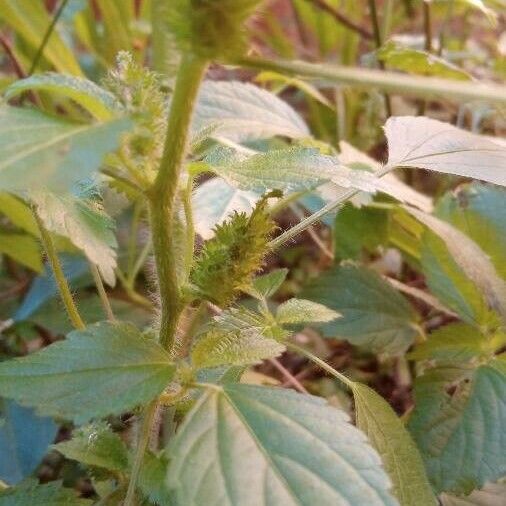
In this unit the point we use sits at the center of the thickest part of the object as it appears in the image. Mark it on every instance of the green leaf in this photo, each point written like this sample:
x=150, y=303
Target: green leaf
x=424, y=143
x=470, y=258
x=85, y=223
x=18, y=213
x=272, y=447
x=239, y=347
x=43, y=151
x=51, y=494
x=108, y=368
x=479, y=211
x=98, y=102
x=263, y=287
x=152, y=478
x=30, y=21
x=24, y=440
x=295, y=311
x=393, y=442
x=458, y=424
x=96, y=445
x=492, y=494
x=454, y=343
x=373, y=314
x=242, y=111
x=23, y=249
x=415, y=61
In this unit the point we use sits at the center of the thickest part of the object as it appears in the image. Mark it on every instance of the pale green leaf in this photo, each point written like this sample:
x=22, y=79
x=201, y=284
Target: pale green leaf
x=295, y=311
x=250, y=445
x=243, y=111
x=23, y=249
x=98, y=102
x=85, y=223
x=108, y=368
x=39, y=151
x=373, y=314
x=424, y=143
x=240, y=347
x=24, y=440
x=96, y=445
x=416, y=61
x=492, y=494
x=393, y=442
x=51, y=494
x=266, y=285
x=18, y=213
x=458, y=424
x=152, y=479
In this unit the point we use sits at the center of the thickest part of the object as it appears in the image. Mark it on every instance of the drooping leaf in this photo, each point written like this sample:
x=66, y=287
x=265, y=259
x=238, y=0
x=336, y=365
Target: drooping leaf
x=242, y=111
x=96, y=445
x=85, y=223
x=272, y=447
x=295, y=311
x=39, y=151
x=373, y=314
x=98, y=102
x=50, y=494
x=479, y=211
x=492, y=494
x=24, y=440
x=240, y=347
x=458, y=424
x=108, y=368
x=425, y=143
x=23, y=249
x=393, y=442
x=416, y=61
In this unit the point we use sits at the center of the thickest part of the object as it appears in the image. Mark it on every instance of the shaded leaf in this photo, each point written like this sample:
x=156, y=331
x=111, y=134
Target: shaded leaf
x=51, y=494
x=108, y=368
x=265, y=446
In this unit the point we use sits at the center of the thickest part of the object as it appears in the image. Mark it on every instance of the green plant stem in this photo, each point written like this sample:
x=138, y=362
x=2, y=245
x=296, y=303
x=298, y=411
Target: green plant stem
x=318, y=361
x=134, y=296
x=59, y=276
x=391, y=82
x=47, y=36
x=97, y=278
x=142, y=444
x=162, y=195
x=387, y=19
x=190, y=226
x=141, y=260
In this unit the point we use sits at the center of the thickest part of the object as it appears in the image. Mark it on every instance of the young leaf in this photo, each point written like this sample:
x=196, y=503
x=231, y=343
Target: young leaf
x=51, y=494
x=240, y=347
x=98, y=102
x=272, y=447
x=295, y=311
x=43, y=151
x=96, y=445
x=242, y=111
x=85, y=223
x=263, y=287
x=24, y=440
x=424, y=143
x=108, y=368
x=458, y=424
x=392, y=441
x=373, y=314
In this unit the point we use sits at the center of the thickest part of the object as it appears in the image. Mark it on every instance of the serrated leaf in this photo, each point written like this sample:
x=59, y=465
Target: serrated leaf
x=85, y=223
x=108, y=368
x=243, y=112
x=425, y=143
x=393, y=442
x=214, y=201
x=261, y=446
x=416, y=61
x=243, y=347
x=99, y=102
x=51, y=494
x=479, y=211
x=96, y=445
x=295, y=311
x=373, y=314
x=454, y=343
x=23, y=249
x=39, y=151
x=470, y=258
x=266, y=285
x=24, y=440
x=492, y=494
x=461, y=434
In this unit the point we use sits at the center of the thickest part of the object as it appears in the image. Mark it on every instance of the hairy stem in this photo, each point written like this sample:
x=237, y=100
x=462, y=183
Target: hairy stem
x=97, y=278
x=61, y=282
x=162, y=195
